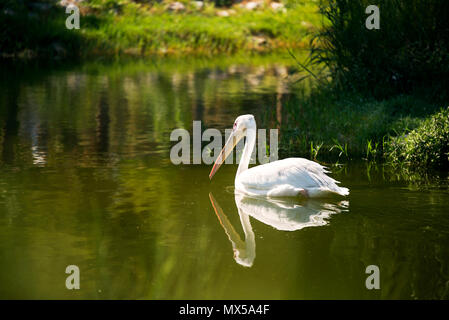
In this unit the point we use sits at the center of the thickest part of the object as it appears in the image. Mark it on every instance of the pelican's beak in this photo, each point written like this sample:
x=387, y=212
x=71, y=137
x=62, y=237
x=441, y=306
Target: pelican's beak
x=227, y=149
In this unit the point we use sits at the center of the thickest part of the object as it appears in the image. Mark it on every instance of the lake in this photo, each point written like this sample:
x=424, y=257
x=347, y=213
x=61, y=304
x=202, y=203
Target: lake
x=86, y=180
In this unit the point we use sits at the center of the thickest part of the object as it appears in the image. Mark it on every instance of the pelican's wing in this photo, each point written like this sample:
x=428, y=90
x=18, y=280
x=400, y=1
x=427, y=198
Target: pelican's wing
x=285, y=177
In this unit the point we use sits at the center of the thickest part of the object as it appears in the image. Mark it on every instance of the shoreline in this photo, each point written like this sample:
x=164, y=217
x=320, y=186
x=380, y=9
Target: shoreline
x=141, y=30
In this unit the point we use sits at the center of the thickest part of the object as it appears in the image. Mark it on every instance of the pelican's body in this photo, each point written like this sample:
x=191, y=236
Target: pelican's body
x=288, y=178
x=283, y=178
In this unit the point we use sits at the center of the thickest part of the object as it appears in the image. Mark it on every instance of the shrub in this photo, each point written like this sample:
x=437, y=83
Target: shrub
x=427, y=145
x=407, y=52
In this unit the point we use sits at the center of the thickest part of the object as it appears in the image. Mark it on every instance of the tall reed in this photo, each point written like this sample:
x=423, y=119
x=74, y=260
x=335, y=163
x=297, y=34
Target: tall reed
x=409, y=51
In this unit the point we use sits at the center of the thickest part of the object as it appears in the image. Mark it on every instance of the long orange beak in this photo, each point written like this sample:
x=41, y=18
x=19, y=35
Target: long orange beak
x=224, y=153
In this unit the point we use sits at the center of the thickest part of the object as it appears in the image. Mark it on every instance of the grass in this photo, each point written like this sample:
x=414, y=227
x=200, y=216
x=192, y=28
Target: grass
x=407, y=53
x=119, y=27
x=427, y=145
x=330, y=126
x=146, y=30
x=375, y=97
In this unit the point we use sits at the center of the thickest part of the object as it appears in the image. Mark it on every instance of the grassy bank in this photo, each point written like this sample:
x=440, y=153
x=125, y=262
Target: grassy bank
x=407, y=53
x=378, y=97
x=426, y=146
x=117, y=27
x=333, y=126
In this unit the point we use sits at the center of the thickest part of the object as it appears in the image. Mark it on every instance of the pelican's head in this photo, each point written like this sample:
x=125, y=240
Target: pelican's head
x=241, y=125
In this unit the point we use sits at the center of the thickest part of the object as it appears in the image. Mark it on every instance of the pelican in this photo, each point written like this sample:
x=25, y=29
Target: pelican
x=289, y=177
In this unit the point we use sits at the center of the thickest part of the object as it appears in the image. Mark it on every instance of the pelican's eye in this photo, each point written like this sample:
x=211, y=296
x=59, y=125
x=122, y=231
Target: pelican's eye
x=235, y=125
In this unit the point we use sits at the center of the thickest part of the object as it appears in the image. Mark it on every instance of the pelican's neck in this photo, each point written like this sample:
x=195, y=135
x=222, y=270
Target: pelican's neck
x=247, y=150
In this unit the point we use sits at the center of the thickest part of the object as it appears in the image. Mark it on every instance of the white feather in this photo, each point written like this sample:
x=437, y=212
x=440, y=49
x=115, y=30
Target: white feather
x=288, y=178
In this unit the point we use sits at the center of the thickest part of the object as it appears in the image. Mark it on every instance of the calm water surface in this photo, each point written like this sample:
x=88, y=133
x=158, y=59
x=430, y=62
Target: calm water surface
x=86, y=180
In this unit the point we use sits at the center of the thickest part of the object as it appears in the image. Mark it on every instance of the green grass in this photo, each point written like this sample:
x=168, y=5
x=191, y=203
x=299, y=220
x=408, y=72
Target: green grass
x=427, y=145
x=327, y=126
x=124, y=27
x=143, y=29
x=374, y=98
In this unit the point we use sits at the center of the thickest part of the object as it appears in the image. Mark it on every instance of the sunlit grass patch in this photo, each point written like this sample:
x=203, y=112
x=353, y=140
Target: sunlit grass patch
x=427, y=145
x=148, y=29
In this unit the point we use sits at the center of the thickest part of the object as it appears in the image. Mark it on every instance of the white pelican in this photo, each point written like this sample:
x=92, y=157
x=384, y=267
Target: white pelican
x=283, y=178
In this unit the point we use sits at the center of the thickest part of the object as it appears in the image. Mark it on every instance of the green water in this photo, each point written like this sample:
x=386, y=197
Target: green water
x=86, y=180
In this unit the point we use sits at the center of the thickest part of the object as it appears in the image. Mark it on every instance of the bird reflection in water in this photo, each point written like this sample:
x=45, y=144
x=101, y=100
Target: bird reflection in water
x=282, y=215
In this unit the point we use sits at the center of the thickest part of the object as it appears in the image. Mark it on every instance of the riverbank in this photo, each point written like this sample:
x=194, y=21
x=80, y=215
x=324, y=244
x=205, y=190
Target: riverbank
x=124, y=27
x=337, y=127
x=380, y=92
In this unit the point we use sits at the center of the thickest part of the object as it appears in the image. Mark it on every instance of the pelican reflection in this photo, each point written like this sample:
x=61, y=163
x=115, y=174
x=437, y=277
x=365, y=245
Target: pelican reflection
x=280, y=214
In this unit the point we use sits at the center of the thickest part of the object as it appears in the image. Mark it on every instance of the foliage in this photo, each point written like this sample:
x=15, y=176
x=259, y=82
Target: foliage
x=32, y=28
x=383, y=83
x=116, y=27
x=409, y=51
x=153, y=29
x=427, y=145
x=346, y=125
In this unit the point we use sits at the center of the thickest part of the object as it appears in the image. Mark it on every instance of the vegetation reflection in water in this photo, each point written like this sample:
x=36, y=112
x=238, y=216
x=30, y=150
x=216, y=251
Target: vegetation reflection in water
x=85, y=179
